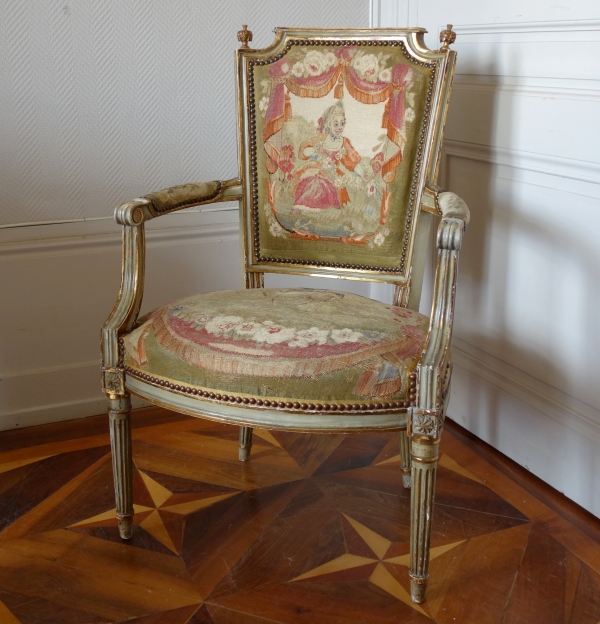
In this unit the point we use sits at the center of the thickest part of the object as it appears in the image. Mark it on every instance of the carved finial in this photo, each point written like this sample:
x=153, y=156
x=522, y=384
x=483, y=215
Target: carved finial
x=447, y=37
x=244, y=36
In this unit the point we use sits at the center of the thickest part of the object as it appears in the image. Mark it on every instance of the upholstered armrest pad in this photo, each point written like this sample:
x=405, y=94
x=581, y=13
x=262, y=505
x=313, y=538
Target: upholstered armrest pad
x=177, y=197
x=453, y=207
x=174, y=198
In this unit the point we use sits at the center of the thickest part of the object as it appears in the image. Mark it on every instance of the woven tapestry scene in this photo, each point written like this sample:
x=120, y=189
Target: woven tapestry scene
x=338, y=128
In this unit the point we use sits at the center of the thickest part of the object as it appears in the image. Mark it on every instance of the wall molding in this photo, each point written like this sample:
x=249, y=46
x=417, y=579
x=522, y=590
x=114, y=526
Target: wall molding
x=389, y=13
x=58, y=412
x=96, y=243
x=47, y=393
x=549, y=400
x=581, y=170
x=526, y=27
x=550, y=88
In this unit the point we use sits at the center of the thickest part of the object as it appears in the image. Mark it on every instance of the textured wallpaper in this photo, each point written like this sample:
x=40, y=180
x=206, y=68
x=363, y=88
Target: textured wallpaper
x=104, y=100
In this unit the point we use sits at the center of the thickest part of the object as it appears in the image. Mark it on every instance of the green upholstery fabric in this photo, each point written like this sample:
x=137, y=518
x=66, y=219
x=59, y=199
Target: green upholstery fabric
x=298, y=345
x=336, y=135
x=176, y=197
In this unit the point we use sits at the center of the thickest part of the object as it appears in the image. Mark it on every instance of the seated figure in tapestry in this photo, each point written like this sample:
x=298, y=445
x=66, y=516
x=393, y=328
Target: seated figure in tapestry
x=321, y=183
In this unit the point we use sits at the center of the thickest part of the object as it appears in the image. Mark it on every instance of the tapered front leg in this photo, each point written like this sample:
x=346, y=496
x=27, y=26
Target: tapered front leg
x=119, y=410
x=245, y=443
x=424, y=468
x=405, y=458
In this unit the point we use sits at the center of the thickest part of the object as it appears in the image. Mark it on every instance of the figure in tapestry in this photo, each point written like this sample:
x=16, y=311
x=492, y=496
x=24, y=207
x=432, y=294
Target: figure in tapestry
x=320, y=184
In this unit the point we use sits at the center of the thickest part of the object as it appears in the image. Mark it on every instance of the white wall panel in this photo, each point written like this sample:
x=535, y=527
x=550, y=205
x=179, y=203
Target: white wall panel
x=58, y=292
x=523, y=148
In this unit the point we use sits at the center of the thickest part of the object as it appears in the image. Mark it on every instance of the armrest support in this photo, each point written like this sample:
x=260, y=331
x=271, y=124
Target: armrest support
x=434, y=367
x=132, y=216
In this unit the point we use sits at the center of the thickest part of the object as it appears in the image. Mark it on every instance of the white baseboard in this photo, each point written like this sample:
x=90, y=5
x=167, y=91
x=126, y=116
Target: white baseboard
x=53, y=394
x=69, y=410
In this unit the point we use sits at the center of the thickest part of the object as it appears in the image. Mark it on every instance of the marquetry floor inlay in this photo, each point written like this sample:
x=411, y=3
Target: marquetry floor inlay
x=312, y=529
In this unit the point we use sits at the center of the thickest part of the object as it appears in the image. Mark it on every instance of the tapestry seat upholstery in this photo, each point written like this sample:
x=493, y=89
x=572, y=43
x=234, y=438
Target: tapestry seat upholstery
x=290, y=348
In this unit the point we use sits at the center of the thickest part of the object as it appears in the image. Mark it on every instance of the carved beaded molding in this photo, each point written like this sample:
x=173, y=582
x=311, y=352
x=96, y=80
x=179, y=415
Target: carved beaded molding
x=285, y=405
x=254, y=167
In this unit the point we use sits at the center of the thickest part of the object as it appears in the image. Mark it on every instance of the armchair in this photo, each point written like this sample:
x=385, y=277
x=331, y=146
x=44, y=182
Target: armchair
x=340, y=134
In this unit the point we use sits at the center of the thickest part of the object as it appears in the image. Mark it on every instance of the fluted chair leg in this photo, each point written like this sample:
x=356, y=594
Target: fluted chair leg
x=119, y=410
x=424, y=468
x=405, y=458
x=245, y=443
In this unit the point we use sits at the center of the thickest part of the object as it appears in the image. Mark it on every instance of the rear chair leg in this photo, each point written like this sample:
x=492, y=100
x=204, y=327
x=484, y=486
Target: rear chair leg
x=424, y=468
x=245, y=443
x=119, y=410
x=405, y=458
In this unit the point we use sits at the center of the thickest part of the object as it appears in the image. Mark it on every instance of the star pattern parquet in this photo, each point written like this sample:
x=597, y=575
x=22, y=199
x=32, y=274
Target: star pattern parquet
x=312, y=529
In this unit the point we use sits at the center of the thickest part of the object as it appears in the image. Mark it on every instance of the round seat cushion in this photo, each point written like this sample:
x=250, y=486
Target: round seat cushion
x=282, y=345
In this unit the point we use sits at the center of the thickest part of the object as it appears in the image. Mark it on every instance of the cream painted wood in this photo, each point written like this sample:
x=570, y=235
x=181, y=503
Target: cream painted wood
x=405, y=461
x=424, y=466
x=245, y=443
x=265, y=418
x=119, y=415
x=522, y=146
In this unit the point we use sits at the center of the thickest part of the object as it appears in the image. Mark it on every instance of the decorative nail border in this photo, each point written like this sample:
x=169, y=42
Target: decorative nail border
x=287, y=405
x=254, y=166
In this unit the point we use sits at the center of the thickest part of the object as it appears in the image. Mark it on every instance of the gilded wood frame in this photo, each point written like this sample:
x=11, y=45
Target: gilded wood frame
x=425, y=191
x=424, y=417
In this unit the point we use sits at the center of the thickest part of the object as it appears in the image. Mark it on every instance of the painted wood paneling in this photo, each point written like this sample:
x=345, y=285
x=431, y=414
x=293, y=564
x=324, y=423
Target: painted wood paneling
x=523, y=149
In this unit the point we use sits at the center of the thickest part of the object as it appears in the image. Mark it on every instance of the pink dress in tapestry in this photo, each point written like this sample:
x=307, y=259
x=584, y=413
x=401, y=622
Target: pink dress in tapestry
x=316, y=188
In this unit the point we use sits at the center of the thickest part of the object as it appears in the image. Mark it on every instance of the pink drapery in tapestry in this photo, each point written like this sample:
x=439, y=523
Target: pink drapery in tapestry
x=316, y=86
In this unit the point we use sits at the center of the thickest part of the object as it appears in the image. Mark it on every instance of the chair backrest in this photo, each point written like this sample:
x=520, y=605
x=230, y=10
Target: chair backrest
x=340, y=134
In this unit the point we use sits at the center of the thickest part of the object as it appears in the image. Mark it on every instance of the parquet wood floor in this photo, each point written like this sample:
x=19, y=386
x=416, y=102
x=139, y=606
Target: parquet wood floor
x=312, y=529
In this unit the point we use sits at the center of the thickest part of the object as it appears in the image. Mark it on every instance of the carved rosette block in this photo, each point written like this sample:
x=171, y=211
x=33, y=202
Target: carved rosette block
x=119, y=411
x=244, y=36
x=447, y=37
x=245, y=443
x=405, y=461
x=113, y=381
x=424, y=423
x=424, y=468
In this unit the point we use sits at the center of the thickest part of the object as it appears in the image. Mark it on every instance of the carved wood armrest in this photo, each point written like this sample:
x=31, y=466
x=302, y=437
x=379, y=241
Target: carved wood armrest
x=433, y=368
x=132, y=216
